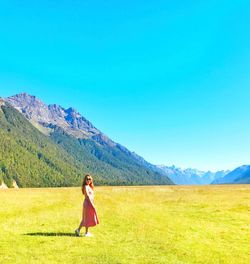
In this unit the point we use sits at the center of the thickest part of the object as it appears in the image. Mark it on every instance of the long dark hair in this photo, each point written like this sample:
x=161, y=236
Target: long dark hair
x=84, y=182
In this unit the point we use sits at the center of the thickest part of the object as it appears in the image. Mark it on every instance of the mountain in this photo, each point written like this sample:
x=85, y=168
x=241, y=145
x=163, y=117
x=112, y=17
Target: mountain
x=191, y=176
x=31, y=158
x=70, y=139
x=208, y=177
x=239, y=175
x=46, y=117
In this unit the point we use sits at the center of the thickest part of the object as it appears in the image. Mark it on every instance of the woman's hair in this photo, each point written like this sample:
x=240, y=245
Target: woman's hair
x=85, y=181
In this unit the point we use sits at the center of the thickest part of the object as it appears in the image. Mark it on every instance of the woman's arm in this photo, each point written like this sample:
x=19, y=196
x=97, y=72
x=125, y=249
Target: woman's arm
x=84, y=191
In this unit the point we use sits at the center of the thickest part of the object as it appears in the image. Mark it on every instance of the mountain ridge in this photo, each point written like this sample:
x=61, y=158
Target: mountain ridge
x=48, y=115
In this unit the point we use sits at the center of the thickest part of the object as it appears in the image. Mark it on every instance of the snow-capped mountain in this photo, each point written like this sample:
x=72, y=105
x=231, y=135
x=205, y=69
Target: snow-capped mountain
x=191, y=176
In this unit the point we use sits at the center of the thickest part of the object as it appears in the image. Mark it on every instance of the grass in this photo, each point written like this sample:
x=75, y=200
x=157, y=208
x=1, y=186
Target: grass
x=163, y=224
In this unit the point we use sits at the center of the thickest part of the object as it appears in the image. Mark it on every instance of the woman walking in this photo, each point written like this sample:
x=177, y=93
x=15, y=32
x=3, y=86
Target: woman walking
x=89, y=214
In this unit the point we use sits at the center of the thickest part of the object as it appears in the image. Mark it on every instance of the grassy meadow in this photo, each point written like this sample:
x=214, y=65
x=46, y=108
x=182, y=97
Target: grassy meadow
x=159, y=224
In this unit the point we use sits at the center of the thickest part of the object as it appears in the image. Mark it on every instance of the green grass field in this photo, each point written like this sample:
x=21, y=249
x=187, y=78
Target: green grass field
x=163, y=224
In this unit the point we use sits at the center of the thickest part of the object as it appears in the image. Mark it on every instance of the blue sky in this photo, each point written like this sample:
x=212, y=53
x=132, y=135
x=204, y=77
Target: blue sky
x=169, y=80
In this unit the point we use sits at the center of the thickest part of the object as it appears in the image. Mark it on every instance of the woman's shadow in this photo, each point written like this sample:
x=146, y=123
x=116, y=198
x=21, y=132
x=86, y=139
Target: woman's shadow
x=48, y=234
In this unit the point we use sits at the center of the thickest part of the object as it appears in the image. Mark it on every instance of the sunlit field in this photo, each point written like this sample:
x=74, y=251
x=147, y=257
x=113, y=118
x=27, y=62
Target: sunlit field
x=161, y=224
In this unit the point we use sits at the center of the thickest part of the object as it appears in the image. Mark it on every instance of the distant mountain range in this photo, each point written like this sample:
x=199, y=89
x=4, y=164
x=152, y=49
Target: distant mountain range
x=191, y=176
x=240, y=175
x=47, y=145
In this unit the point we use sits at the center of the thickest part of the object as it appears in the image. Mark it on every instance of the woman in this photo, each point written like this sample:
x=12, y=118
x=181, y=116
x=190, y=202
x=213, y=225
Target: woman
x=89, y=215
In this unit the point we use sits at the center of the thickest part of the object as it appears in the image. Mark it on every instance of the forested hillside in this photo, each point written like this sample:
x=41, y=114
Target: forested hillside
x=110, y=163
x=33, y=159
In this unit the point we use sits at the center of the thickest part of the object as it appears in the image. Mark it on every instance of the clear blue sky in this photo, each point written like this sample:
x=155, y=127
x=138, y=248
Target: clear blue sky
x=168, y=79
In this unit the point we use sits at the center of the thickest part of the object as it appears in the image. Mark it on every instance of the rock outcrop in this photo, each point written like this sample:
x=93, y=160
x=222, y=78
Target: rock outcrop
x=14, y=185
x=3, y=186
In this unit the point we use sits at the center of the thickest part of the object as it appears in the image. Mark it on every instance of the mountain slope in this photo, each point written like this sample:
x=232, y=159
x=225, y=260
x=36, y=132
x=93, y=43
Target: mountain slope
x=110, y=163
x=243, y=179
x=239, y=175
x=84, y=145
x=234, y=175
x=31, y=158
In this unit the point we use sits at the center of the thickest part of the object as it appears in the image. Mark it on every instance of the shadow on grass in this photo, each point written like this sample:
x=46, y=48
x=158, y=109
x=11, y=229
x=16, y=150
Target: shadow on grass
x=53, y=234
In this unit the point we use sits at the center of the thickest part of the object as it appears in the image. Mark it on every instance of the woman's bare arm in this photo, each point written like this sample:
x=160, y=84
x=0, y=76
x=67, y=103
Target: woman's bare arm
x=84, y=191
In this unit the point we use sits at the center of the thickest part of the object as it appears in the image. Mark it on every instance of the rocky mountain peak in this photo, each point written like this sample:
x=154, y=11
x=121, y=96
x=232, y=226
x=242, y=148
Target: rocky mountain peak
x=48, y=117
x=25, y=99
x=72, y=112
x=32, y=108
x=56, y=111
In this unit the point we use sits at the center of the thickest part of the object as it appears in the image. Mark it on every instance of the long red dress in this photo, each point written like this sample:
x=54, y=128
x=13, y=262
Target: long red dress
x=89, y=214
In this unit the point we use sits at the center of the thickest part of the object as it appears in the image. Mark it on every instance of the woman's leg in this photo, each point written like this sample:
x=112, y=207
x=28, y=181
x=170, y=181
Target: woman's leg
x=83, y=218
x=86, y=230
x=80, y=226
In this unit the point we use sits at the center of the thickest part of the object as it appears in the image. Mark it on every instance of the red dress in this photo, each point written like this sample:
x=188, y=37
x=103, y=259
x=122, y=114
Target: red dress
x=89, y=214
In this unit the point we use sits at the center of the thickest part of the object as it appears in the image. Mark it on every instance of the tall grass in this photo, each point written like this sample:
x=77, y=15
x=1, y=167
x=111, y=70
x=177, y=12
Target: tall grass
x=162, y=224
